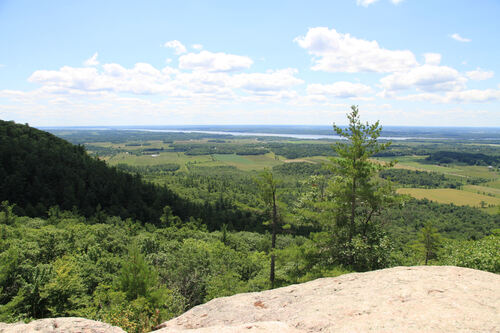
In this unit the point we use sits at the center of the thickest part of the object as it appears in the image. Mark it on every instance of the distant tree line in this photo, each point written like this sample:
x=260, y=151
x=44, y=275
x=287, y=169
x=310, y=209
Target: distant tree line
x=415, y=178
x=219, y=148
x=449, y=157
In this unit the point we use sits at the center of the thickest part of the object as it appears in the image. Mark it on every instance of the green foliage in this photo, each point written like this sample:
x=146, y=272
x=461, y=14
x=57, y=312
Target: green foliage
x=298, y=150
x=159, y=169
x=219, y=148
x=7, y=215
x=137, y=278
x=204, y=238
x=64, y=293
x=39, y=171
x=429, y=240
x=480, y=254
x=447, y=157
x=269, y=186
x=420, y=178
x=347, y=204
x=300, y=169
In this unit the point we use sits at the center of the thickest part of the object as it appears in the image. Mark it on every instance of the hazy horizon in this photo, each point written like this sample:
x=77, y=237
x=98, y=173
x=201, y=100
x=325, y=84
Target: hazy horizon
x=122, y=63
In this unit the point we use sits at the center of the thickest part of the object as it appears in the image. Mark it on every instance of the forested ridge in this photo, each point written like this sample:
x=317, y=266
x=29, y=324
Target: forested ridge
x=136, y=245
x=39, y=171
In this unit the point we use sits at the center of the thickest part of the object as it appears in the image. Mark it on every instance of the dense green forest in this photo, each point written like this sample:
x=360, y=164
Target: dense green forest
x=138, y=243
x=415, y=178
x=464, y=157
x=40, y=170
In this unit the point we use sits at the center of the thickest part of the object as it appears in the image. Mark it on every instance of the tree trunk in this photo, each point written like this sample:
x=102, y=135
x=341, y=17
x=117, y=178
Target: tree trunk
x=273, y=240
x=352, y=225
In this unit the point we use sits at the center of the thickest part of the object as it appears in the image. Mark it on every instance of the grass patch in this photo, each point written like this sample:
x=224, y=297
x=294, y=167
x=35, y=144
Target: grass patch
x=446, y=195
x=485, y=190
x=248, y=162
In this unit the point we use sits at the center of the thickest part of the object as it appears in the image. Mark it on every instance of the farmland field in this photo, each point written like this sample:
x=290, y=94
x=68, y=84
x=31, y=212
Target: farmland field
x=481, y=186
x=446, y=195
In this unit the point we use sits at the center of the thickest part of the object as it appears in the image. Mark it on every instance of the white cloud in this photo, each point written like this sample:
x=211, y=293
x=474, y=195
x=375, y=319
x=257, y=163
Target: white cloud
x=432, y=58
x=365, y=3
x=462, y=96
x=426, y=77
x=479, y=74
x=92, y=61
x=176, y=45
x=396, y=2
x=337, y=52
x=214, y=62
x=265, y=82
x=473, y=96
x=459, y=38
x=182, y=86
x=141, y=79
x=197, y=46
x=341, y=89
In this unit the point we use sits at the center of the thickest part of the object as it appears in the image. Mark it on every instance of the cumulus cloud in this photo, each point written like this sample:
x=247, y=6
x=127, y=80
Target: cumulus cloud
x=479, y=74
x=341, y=89
x=214, y=62
x=141, y=79
x=92, y=61
x=432, y=58
x=426, y=77
x=337, y=52
x=197, y=46
x=473, y=96
x=462, y=96
x=459, y=38
x=144, y=79
x=176, y=46
x=267, y=82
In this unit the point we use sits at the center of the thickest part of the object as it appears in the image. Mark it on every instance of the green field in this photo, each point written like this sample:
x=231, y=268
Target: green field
x=243, y=162
x=248, y=162
x=471, y=195
x=485, y=190
x=448, y=195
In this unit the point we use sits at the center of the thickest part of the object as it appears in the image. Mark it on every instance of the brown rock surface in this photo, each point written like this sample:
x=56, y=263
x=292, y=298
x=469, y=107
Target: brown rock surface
x=401, y=299
x=60, y=325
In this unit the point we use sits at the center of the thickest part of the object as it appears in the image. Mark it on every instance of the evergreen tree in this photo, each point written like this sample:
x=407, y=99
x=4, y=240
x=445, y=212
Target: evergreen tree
x=268, y=186
x=429, y=239
x=354, y=196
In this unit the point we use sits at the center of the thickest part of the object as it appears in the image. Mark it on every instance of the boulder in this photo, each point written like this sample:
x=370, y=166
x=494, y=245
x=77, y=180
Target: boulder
x=400, y=299
x=60, y=325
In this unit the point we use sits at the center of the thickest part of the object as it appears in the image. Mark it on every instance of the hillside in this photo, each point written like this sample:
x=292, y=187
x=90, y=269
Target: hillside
x=40, y=170
x=401, y=299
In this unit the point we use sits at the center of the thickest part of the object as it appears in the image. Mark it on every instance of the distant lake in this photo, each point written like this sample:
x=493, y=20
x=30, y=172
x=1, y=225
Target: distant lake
x=283, y=135
x=318, y=132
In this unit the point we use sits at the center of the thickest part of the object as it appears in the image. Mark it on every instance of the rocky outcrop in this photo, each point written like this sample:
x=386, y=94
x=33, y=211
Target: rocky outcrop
x=401, y=299
x=60, y=325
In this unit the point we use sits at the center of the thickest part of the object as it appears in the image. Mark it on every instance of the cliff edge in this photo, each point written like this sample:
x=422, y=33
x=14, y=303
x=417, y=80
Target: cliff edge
x=400, y=299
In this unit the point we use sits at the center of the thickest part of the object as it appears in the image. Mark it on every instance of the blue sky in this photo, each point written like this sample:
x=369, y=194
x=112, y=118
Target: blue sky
x=409, y=62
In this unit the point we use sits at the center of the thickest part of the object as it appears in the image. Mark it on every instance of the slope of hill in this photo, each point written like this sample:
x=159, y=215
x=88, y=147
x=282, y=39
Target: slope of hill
x=39, y=170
